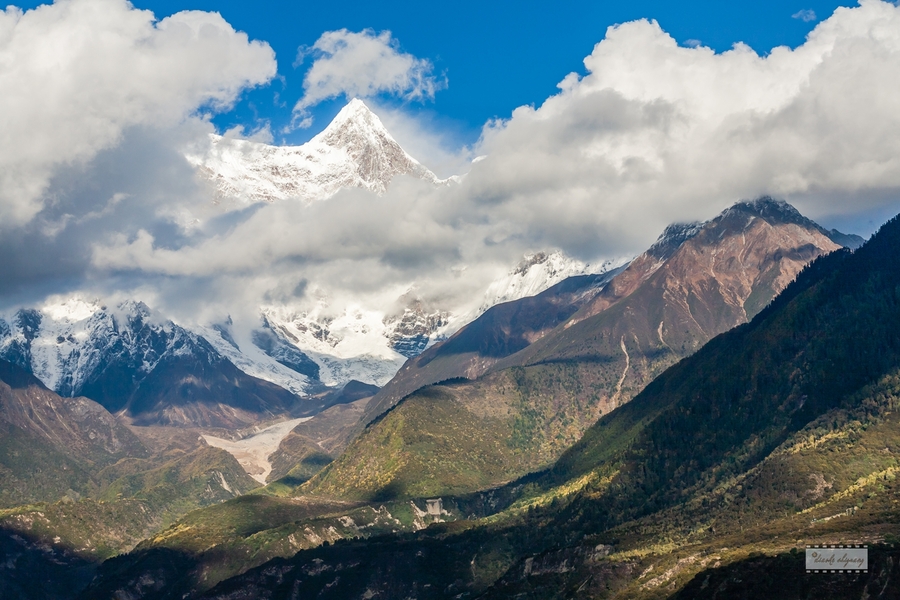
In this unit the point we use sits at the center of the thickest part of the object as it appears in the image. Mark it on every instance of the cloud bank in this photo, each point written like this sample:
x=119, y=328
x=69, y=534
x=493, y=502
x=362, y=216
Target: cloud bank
x=652, y=133
x=361, y=65
x=656, y=133
x=77, y=73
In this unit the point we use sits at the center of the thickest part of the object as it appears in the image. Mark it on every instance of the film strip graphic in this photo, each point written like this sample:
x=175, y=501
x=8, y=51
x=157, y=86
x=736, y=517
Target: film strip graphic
x=837, y=558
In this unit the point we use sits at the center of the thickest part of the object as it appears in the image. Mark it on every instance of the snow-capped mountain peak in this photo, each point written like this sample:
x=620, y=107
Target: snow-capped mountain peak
x=354, y=151
x=354, y=122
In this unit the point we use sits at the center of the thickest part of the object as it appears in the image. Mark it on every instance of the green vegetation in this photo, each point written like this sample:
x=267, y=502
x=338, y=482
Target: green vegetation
x=218, y=542
x=32, y=470
x=91, y=529
x=462, y=437
x=134, y=505
x=780, y=433
x=429, y=445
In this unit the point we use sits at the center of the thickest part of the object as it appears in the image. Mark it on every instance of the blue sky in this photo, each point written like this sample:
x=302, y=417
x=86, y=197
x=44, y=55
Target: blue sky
x=495, y=55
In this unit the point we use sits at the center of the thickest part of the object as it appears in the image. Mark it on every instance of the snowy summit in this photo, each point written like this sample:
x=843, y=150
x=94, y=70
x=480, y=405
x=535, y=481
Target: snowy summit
x=354, y=151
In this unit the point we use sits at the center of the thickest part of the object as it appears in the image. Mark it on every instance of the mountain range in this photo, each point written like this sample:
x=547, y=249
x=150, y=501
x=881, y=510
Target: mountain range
x=131, y=361
x=675, y=425
x=696, y=280
x=521, y=383
x=776, y=435
x=130, y=357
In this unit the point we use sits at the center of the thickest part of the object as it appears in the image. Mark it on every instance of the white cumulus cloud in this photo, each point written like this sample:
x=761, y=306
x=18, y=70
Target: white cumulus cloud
x=362, y=64
x=655, y=132
x=651, y=133
x=77, y=73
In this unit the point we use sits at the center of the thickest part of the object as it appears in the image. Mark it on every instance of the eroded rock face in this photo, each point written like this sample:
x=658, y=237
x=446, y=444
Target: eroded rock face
x=411, y=332
x=719, y=274
x=676, y=296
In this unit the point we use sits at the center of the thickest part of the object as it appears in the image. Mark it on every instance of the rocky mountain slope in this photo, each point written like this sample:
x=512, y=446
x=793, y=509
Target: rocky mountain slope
x=78, y=486
x=502, y=330
x=698, y=279
x=52, y=446
x=528, y=405
x=778, y=434
x=692, y=284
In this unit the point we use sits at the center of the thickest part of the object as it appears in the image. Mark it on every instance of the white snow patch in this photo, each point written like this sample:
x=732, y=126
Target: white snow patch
x=353, y=345
x=256, y=363
x=224, y=483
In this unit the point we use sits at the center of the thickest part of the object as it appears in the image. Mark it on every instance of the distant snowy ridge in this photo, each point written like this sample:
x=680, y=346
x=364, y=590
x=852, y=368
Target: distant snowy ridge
x=299, y=348
x=370, y=344
x=536, y=273
x=67, y=341
x=354, y=151
x=254, y=361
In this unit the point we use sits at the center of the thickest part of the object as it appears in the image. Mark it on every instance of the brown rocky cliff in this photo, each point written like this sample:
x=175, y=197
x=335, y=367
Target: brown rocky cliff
x=696, y=281
x=715, y=280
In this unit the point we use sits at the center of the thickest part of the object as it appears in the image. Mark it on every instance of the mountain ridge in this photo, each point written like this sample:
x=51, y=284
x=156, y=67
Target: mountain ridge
x=522, y=408
x=626, y=281
x=130, y=359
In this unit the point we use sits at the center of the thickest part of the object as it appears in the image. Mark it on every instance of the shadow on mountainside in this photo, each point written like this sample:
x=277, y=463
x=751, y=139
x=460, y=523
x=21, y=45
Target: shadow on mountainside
x=37, y=569
x=783, y=576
